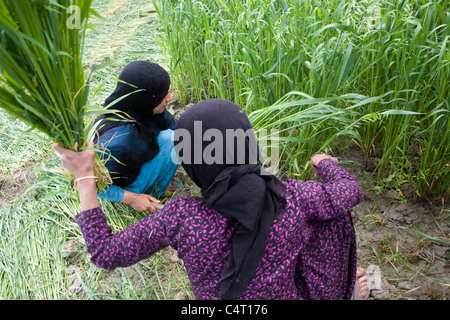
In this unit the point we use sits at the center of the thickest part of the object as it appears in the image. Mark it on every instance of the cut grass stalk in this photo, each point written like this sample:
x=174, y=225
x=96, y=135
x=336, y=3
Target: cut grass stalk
x=42, y=79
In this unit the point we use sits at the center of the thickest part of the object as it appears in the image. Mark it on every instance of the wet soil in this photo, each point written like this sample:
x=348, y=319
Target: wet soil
x=402, y=241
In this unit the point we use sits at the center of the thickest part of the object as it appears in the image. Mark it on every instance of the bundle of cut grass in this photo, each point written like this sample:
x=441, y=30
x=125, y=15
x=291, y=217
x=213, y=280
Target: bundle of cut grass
x=42, y=80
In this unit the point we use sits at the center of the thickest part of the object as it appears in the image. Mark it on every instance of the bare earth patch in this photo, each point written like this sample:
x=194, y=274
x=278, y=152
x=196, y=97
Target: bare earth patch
x=403, y=243
x=14, y=185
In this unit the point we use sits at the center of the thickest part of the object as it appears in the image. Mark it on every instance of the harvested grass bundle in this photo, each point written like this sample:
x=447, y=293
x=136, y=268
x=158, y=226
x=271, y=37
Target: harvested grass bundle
x=42, y=80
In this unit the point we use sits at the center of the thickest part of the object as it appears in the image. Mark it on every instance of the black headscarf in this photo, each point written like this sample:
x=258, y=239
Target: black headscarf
x=235, y=187
x=141, y=87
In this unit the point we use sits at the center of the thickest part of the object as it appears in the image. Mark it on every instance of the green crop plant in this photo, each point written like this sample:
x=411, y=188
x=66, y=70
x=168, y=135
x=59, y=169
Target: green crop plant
x=394, y=53
x=42, y=79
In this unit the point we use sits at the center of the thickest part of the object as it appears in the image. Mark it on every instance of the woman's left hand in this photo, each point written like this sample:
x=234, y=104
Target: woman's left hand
x=140, y=201
x=80, y=164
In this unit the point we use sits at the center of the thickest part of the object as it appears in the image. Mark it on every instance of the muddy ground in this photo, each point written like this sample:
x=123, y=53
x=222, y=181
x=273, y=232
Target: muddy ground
x=402, y=241
x=14, y=185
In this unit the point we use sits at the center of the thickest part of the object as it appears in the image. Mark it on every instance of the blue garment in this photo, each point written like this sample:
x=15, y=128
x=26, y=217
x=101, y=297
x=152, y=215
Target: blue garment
x=154, y=176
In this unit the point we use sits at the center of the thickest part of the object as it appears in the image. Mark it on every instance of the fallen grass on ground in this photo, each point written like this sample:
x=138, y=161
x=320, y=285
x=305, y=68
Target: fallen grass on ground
x=20, y=147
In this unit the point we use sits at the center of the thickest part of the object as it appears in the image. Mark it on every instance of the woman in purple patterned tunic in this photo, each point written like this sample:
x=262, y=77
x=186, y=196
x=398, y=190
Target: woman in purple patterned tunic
x=250, y=236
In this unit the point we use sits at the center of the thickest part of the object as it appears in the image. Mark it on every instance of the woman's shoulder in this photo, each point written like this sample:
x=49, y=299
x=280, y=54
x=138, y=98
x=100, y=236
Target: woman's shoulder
x=183, y=213
x=293, y=185
x=119, y=130
x=118, y=136
x=298, y=189
x=184, y=201
x=190, y=207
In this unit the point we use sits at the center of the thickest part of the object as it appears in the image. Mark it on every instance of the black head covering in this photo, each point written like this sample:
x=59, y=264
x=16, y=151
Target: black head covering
x=141, y=87
x=234, y=185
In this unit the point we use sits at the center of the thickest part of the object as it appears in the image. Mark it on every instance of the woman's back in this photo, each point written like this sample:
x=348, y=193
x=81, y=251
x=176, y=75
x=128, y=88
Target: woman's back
x=310, y=253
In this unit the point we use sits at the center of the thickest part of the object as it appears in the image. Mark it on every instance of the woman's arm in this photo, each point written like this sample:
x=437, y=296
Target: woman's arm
x=81, y=165
x=109, y=251
x=335, y=196
x=139, y=201
x=125, y=248
x=342, y=188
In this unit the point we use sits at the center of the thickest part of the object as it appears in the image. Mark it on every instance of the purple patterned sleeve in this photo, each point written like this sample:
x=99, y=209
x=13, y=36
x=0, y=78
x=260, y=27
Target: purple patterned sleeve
x=342, y=187
x=336, y=195
x=125, y=248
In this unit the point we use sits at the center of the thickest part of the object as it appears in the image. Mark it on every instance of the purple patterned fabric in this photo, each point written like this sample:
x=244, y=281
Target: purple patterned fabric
x=311, y=252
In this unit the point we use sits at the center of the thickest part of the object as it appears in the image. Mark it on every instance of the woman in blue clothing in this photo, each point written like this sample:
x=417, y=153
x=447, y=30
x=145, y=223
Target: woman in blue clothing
x=137, y=141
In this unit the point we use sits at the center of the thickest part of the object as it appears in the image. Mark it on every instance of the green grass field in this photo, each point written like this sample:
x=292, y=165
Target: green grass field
x=324, y=72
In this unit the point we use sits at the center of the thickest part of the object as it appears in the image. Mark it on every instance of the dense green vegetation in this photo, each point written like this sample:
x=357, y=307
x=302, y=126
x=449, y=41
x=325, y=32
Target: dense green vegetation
x=43, y=81
x=325, y=72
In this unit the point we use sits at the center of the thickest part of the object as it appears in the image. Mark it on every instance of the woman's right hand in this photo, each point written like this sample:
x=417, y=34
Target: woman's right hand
x=82, y=166
x=140, y=201
x=316, y=158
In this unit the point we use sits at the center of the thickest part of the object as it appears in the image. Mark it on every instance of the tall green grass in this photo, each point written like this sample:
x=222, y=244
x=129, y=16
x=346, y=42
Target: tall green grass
x=42, y=76
x=392, y=55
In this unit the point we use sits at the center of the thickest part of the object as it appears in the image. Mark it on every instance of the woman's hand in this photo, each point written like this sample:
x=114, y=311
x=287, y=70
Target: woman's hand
x=80, y=164
x=140, y=201
x=316, y=158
